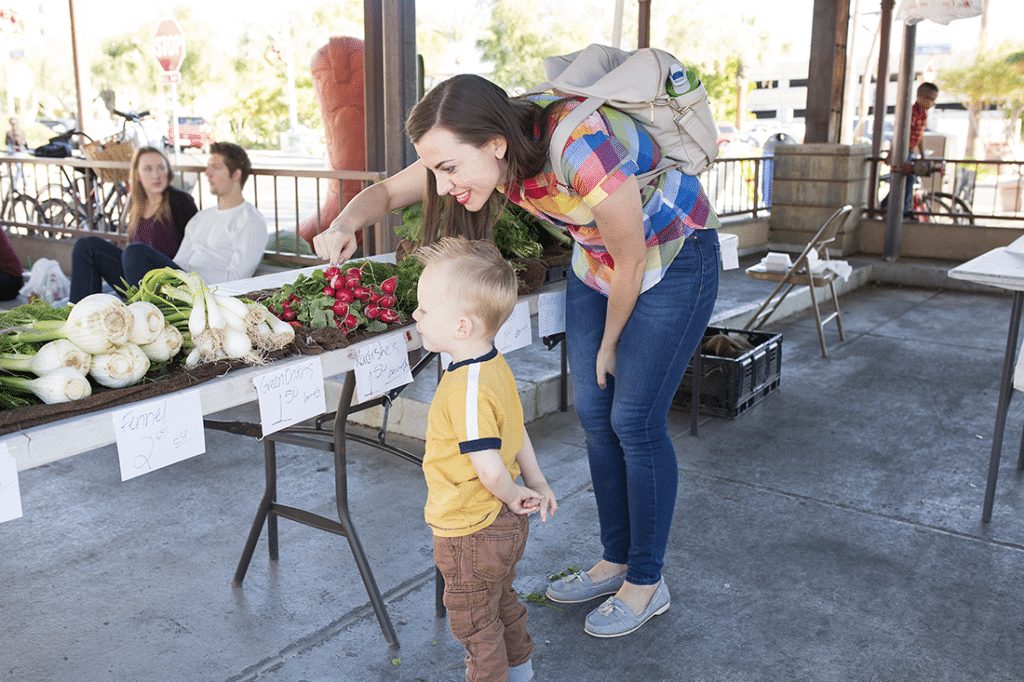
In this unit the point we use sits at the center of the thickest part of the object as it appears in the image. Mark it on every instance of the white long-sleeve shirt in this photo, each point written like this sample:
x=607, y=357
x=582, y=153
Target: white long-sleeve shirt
x=223, y=245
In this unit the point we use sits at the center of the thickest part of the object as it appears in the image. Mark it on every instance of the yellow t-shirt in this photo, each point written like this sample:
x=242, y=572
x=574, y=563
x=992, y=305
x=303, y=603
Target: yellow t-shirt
x=476, y=407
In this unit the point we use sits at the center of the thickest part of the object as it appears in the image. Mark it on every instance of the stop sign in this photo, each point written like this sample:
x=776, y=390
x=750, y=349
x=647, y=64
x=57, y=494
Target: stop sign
x=169, y=45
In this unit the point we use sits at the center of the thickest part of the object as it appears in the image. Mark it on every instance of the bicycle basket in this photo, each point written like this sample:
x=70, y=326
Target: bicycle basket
x=110, y=149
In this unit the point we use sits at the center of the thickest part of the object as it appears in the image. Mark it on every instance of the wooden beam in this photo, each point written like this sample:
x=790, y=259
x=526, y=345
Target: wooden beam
x=826, y=70
x=644, y=22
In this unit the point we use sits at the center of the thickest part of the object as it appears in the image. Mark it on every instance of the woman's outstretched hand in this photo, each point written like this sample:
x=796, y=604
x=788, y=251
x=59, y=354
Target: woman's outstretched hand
x=335, y=245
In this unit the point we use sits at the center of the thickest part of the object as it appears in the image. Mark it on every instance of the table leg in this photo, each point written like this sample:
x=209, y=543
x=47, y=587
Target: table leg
x=1005, y=393
x=695, y=391
x=341, y=492
x=262, y=512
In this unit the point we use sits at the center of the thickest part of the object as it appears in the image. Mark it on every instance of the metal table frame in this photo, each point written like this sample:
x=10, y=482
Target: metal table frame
x=999, y=268
x=329, y=440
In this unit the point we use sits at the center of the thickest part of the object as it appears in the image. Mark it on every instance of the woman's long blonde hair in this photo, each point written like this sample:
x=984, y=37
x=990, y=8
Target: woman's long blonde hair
x=137, y=200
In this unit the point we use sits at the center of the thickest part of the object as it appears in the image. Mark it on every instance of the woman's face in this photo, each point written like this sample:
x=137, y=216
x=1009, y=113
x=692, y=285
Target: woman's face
x=152, y=174
x=468, y=173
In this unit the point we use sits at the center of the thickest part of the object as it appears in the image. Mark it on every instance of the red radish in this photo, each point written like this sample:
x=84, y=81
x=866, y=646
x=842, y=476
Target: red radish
x=351, y=321
x=294, y=323
x=388, y=315
x=371, y=311
x=387, y=301
x=352, y=282
x=389, y=285
x=332, y=272
x=361, y=293
x=288, y=315
x=329, y=291
x=345, y=295
x=354, y=272
x=374, y=297
x=340, y=309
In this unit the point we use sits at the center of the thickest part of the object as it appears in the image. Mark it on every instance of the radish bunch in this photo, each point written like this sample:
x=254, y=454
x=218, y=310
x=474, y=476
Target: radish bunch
x=343, y=298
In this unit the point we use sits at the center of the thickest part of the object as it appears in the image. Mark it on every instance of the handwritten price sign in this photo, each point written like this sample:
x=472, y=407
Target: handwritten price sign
x=10, y=493
x=516, y=332
x=551, y=313
x=157, y=433
x=290, y=394
x=382, y=366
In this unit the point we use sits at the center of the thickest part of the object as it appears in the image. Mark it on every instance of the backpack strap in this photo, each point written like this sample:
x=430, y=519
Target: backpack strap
x=560, y=135
x=686, y=118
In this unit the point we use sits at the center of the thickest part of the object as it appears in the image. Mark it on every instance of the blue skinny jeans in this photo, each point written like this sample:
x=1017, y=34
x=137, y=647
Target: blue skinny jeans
x=632, y=462
x=95, y=260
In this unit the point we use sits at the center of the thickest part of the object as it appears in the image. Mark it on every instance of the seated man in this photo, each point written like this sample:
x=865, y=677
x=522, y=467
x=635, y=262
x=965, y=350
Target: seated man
x=220, y=244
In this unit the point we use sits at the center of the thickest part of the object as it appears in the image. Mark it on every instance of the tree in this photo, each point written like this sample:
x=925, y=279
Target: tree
x=516, y=50
x=988, y=79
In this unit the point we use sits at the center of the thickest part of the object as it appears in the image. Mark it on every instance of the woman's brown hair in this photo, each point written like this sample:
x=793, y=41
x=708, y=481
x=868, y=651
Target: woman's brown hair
x=137, y=200
x=476, y=111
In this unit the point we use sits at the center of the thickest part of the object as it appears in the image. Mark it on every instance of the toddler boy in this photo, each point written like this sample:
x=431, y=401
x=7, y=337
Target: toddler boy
x=476, y=447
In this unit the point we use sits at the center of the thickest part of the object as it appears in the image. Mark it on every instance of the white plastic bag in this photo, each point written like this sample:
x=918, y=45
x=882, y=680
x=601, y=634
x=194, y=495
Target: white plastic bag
x=47, y=281
x=939, y=11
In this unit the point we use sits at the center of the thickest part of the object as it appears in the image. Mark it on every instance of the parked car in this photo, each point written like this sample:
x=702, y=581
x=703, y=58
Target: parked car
x=193, y=131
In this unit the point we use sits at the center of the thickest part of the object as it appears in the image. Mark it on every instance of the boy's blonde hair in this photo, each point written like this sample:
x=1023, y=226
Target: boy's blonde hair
x=478, y=277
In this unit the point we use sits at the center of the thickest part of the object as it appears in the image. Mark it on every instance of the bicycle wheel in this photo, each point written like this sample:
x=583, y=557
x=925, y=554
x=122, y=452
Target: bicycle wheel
x=22, y=210
x=948, y=209
x=115, y=209
x=58, y=213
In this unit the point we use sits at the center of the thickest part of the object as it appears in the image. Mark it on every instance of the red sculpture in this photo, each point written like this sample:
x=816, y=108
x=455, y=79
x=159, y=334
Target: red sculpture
x=337, y=70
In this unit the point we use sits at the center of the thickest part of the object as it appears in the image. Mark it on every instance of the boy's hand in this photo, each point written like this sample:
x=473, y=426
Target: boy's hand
x=539, y=498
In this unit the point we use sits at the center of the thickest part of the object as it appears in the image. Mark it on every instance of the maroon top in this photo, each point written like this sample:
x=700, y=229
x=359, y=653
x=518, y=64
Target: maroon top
x=162, y=235
x=9, y=263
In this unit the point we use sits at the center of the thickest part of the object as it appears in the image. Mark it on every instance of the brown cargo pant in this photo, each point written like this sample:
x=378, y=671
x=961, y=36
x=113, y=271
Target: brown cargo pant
x=484, y=612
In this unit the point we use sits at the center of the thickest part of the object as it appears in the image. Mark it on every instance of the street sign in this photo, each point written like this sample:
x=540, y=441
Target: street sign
x=169, y=45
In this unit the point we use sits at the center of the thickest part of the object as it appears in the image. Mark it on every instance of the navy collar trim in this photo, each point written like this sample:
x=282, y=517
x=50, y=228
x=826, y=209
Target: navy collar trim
x=492, y=353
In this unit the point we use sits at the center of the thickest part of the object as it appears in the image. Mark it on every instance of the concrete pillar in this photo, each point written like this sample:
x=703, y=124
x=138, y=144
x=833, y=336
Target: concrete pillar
x=810, y=181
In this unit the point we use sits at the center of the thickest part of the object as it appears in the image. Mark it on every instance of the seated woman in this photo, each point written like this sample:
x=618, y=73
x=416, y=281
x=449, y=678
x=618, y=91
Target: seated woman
x=11, y=273
x=157, y=215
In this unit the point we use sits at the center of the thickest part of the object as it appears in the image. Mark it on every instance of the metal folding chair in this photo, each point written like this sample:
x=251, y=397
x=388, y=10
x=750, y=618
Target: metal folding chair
x=798, y=274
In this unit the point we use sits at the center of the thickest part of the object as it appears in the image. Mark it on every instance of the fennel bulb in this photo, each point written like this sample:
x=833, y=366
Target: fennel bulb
x=62, y=385
x=56, y=353
x=123, y=366
x=147, y=323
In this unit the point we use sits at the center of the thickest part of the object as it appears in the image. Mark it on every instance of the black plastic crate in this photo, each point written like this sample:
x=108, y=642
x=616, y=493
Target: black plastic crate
x=731, y=386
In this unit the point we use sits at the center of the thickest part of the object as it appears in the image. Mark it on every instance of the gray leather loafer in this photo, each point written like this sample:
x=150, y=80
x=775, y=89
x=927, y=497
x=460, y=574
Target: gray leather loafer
x=578, y=587
x=614, y=619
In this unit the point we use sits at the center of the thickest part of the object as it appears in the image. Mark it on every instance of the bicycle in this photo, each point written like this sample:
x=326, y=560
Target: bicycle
x=81, y=202
x=17, y=208
x=934, y=207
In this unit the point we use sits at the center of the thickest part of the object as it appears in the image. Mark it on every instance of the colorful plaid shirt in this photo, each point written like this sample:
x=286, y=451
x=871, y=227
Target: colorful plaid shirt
x=600, y=155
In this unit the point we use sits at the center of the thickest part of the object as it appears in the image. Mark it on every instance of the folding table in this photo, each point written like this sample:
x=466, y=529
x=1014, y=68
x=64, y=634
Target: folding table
x=1004, y=269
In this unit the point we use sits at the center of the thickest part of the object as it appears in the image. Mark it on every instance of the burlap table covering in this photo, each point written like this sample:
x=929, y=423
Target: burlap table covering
x=307, y=342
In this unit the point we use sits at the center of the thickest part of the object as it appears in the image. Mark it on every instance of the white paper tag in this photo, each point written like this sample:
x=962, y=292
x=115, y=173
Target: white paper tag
x=382, y=366
x=10, y=493
x=551, y=313
x=157, y=433
x=290, y=394
x=516, y=332
x=729, y=244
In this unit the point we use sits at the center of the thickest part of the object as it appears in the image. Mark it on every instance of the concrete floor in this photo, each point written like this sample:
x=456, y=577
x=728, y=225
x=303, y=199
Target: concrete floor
x=833, y=532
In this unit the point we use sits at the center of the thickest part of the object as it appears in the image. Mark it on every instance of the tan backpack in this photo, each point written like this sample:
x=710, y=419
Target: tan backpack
x=635, y=83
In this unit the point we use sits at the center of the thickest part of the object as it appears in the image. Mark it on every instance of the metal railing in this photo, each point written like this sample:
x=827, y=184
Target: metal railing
x=963, y=192
x=739, y=186
x=989, y=193
x=41, y=190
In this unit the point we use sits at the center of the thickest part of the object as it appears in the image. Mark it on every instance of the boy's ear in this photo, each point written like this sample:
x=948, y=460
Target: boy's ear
x=464, y=328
